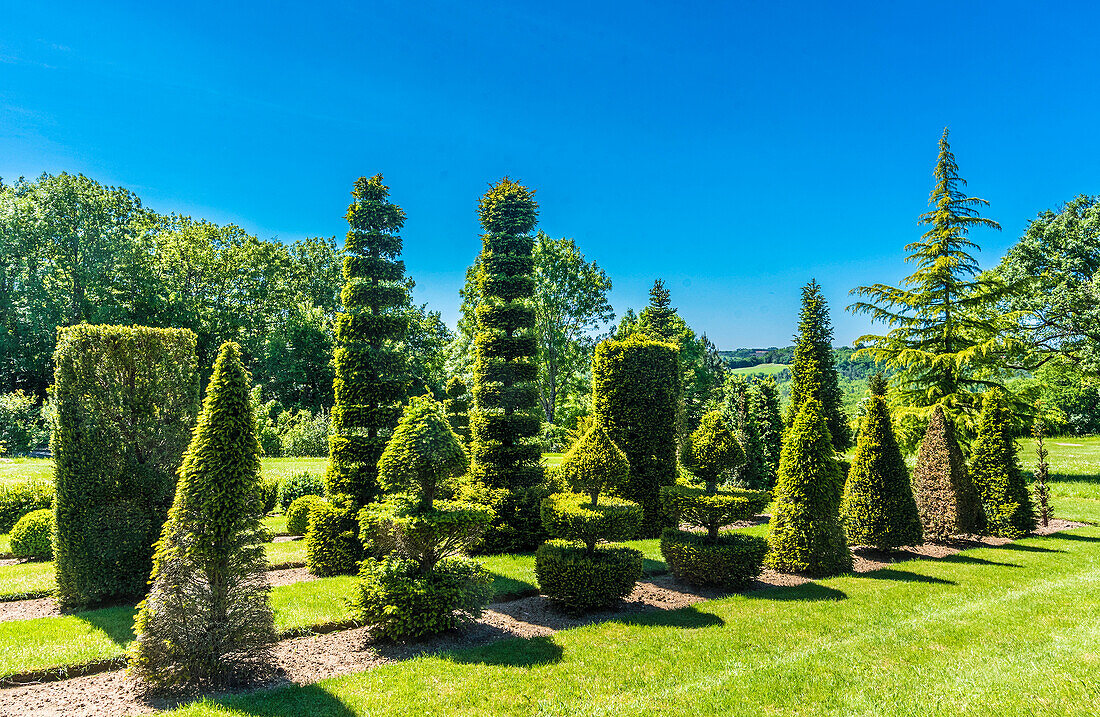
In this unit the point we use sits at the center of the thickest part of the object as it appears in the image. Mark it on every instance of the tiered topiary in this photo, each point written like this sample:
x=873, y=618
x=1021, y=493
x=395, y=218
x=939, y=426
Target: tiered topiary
x=805, y=534
x=573, y=570
x=32, y=536
x=371, y=373
x=457, y=405
x=1009, y=511
x=422, y=586
x=729, y=559
x=947, y=499
x=504, y=420
x=635, y=397
x=207, y=620
x=124, y=402
x=878, y=508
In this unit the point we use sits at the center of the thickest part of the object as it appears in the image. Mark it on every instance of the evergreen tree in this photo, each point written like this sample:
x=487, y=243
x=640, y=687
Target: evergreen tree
x=943, y=334
x=947, y=500
x=741, y=405
x=457, y=405
x=657, y=317
x=996, y=470
x=769, y=424
x=813, y=368
x=878, y=508
x=805, y=534
x=207, y=619
x=504, y=420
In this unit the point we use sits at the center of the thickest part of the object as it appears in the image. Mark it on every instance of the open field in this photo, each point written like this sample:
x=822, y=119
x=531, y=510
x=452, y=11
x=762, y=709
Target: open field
x=765, y=369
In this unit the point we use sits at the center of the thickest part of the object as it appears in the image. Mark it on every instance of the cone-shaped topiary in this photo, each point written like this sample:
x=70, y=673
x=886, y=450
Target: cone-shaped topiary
x=947, y=500
x=371, y=370
x=207, y=619
x=878, y=508
x=595, y=464
x=1007, y=502
x=805, y=534
x=457, y=404
x=423, y=452
x=741, y=404
x=504, y=421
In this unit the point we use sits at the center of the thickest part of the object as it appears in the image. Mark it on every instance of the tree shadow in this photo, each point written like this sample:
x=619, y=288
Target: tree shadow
x=1074, y=536
x=1025, y=548
x=115, y=622
x=685, y=617
x=968, y=560
x=903, y=576
x=280, y=701
x=809, y=592
x=515, y=652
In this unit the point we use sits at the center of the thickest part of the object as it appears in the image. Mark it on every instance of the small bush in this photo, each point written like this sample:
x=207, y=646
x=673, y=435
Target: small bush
x=32, y=536
x=269, y=494
x=296, y=485
x=20, y=499
x=732, y=560
x=686, y=504
x=572, y=516
x=297, y=515
x=580, y=580
x=332, y=543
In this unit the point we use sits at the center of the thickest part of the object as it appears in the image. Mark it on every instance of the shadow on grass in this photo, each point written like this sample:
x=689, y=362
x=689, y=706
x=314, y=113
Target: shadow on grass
x=516, y=652
x=1075, y=536
x=903, y=576
x=653, y=567
x=686, y=617
x=116, y=622
x=1027, y=548
x=809, y=592
x=969, y=560
x=311, y=700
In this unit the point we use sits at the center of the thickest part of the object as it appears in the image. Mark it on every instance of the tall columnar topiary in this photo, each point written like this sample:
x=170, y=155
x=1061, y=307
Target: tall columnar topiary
x=457, y=405
x=726, y=559
x=947, y=500
x=769, y=424
x=371, y=371
x=422, y=586
x=878, y=508
x=1007, y=502
x=207, y=619
x=805, y=534
x=573, y=570
x=813, y=368
x=125, y=399
x=504, y=420
x=635, y=397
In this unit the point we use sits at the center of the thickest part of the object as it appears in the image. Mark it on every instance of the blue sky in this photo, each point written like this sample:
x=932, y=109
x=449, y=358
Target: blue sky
x=734, y=149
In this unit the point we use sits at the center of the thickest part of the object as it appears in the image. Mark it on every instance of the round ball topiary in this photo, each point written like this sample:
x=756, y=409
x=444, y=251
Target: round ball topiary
x=573, y=517
x=32, y=536
x=730, y=561
x=581, y=580
x=297, y=515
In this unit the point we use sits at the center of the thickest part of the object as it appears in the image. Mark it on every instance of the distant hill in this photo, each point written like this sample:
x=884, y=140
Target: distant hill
x=773, y=360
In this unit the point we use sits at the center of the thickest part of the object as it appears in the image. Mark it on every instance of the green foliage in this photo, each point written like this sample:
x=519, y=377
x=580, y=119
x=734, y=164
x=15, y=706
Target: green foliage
x=269, y=494
x=742, y=401
x=457, y=405
x=635, y=397
x=422, y=452
x=298, y=484
x=32, y=536
x=425, y=536
x=297, y=514
x=332, y=539
x=207, y=619
x=729, y=560
x=945, y=334
x=711, y=510
x=572, y=516
x=1008, y=509
x=518, y=524
x=124, y=401
x=878, y=508
x=769, y=424
x=947, y=500
x=1042, y=469
x=305, y=435
x=22, y=426
x=805, y=534
x=813, y=367
x=714, y=450
x=594, y=464
x=21, y=498
x=401, y=602
x=581, y=580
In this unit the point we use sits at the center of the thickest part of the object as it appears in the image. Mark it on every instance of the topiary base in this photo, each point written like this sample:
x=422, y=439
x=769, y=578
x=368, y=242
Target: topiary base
x=732, y=562
x=581, y=581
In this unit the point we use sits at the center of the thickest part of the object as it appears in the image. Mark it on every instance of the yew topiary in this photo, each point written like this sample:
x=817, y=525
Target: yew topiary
x=297, y=515
x=206, y=620
x=878, y=508
x=457, y=404
x=1006, y=500
x=947, y=500
x=805, y=534
x=32, y=536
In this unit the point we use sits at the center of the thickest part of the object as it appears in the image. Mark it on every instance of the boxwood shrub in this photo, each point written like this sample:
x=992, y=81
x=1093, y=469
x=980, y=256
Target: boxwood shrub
x=22, y=498
x=580, y=580
x=332, y=541
x=297, y=515
x=732, y=560
x=32, y=536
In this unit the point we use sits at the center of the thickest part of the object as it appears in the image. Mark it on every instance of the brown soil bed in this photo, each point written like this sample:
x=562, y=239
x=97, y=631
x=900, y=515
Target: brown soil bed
x=304, y=660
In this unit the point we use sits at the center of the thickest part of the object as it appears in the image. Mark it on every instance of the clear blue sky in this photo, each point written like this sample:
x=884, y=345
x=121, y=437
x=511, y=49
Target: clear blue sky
x=736, y=150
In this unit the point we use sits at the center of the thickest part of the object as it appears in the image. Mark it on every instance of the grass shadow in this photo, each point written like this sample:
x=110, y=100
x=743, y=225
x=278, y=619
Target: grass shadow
x=650, y=566
x=515, y=652
x=313, y=700
x=115, y=622
x=1025, y=548
x=809, y=592
x=686, y=617
x=969, y=560
x=903, y=576
x=1064, y=535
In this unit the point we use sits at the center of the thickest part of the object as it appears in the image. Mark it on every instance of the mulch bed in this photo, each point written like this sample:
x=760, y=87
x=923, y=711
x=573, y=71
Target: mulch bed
x=304, y=660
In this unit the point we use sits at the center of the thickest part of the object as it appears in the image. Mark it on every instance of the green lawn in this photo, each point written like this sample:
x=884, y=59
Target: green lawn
x=766, y=369
x=22, y=470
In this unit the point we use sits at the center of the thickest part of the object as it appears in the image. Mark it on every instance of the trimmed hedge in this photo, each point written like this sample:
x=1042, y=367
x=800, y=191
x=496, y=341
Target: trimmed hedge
x=580, y=580
x=573, y=517
x=32, y=536
x=731, y=560
x=22, y=498
x=297, y=515
x=124, y=401
x=269, y=494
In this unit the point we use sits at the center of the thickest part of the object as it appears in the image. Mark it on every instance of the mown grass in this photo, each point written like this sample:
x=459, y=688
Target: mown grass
x=22, y=470
x=766, y=369
x=276, y=524
x=992, y=631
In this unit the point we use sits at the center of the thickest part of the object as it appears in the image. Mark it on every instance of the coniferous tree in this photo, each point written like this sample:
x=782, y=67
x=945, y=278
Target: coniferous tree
x=457, y=405
x=943, y=335
x=813, y=367
x=504, y=420
x=741, y=407
x=207, y=619
x=1008, y=509
x=1042, y=468
x=805, y=534
x=878, y=508
x=769, y=423
x=657, y=317
x=947, y=500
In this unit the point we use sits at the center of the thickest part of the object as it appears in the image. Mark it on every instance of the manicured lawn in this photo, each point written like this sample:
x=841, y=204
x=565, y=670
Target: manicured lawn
x=766, y=369
x=994, y=631
x=552, y=460
x=21, y=470
x=276, y=524
x=1075, y=475
x=283, y=467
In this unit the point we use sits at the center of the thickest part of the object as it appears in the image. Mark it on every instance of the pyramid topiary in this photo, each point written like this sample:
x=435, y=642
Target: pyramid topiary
x=207, y=619
x=1005, y=498
x=878, y=508
x=947, y=500
x=574, y=571
x=805, y=534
